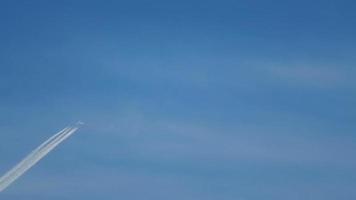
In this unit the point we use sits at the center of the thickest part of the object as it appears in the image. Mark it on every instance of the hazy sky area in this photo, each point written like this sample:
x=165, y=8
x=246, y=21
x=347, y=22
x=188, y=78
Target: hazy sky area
x=182, y=100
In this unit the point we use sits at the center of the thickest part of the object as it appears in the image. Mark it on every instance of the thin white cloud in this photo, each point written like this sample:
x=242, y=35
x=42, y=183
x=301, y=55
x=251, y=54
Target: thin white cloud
x=183, y=141
x=312, y=75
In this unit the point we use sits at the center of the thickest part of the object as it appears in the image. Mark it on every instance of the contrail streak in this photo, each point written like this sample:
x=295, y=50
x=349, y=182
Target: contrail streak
x=38, y=149
x=31, y=160
x=36, y=155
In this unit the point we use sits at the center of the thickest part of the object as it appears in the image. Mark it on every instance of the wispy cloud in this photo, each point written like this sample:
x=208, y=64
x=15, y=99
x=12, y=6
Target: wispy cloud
x=313, y=75
x=168, y=140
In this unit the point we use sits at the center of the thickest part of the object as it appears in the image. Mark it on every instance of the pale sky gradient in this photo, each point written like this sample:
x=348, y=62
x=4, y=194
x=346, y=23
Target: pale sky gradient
x=182, y=100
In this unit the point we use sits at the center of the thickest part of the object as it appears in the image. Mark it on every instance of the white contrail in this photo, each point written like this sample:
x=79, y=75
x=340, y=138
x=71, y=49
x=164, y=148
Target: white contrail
x=36, y=155
x=28, y=158
x=29, y=161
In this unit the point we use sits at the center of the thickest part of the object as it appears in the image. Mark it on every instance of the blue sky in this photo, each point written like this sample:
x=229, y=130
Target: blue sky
x=232, y=100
